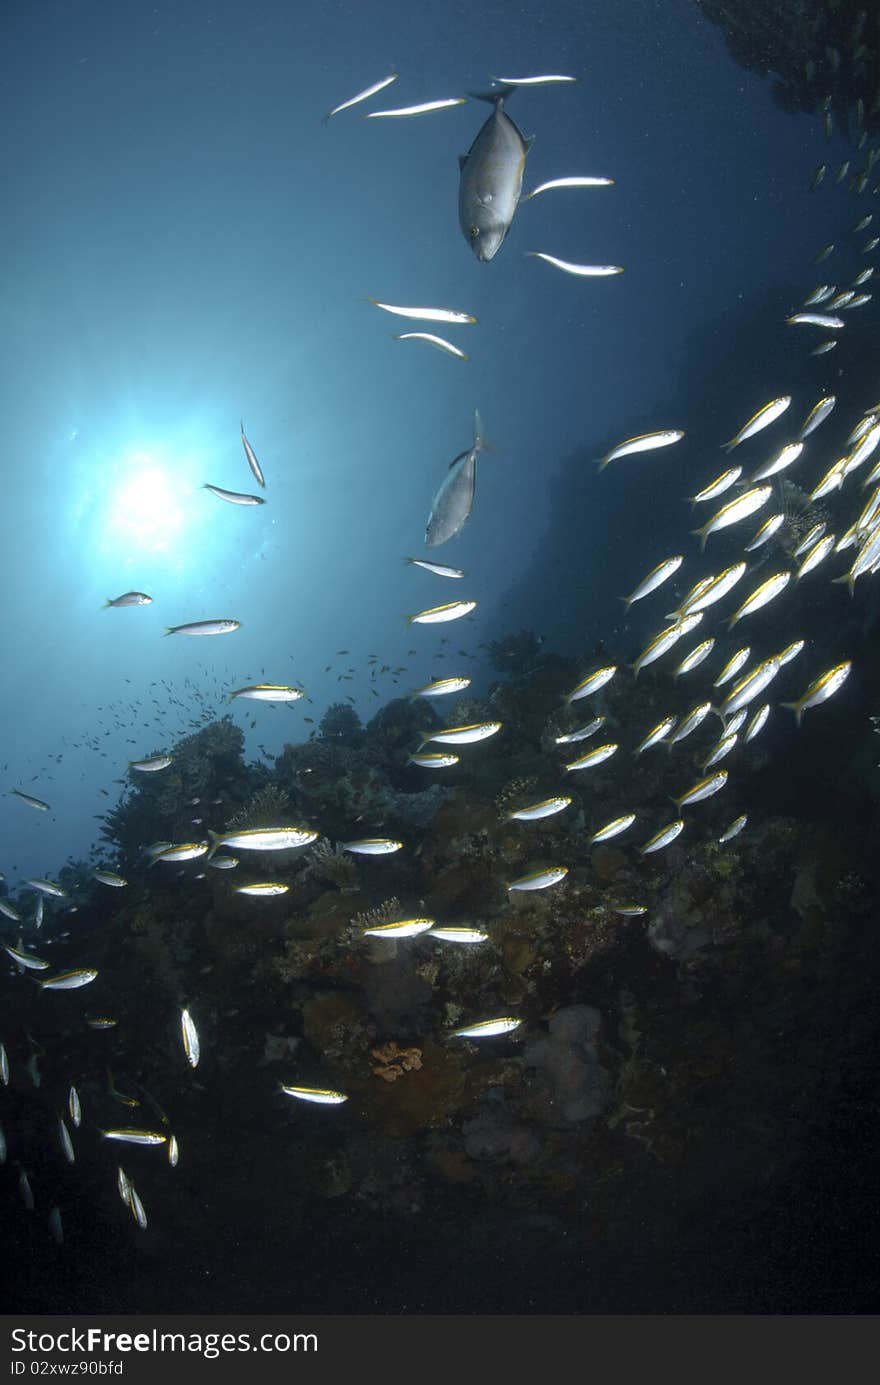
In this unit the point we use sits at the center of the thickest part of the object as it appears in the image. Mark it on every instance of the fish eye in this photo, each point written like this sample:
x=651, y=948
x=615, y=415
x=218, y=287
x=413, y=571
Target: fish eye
x=474, y=232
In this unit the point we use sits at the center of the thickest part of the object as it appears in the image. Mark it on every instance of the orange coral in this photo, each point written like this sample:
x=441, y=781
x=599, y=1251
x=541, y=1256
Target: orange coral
x=394, y=1061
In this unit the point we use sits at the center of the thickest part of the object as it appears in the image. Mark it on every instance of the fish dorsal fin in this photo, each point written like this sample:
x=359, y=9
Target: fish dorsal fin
x=462, y=160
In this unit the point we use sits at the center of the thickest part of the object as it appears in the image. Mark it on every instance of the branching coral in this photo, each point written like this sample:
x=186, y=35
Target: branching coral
x=266, y=808
x=333, y=865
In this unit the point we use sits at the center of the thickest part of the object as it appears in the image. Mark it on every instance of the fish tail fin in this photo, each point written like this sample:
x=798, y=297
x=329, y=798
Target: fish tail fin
x=699, y=534
x=107, y=603
x=728, y=446
x=494, y=97
x=601, y=464
x=480, y=442
x=169, y=630
x=215, y=842
x=793, y=707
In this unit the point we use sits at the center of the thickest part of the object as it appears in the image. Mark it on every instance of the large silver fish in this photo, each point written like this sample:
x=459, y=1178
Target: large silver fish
x=454, y=500
x=491, y=180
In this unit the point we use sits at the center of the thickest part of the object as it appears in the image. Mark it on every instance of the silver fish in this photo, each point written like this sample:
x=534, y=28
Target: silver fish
x=234, y=497
x=252, y=460
x=491, y=175
x=362, y=95
x=30, y=800
x=129, y=599
x=204, y=627
x=454, y=501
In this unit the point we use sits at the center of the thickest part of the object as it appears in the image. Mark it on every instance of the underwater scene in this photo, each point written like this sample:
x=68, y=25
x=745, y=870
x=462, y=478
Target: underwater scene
x=439, y=833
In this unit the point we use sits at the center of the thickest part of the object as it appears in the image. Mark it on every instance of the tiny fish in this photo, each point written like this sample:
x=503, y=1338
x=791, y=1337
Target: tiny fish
x=190, y=1036
x=733, y=830
x=712, y=589
x=583, y=271
x=656, y=734
x=762, y=419
x=464, y=735
x=224, y=862
x=783, y=459
x=264, y=838
x=363, y=95
x=538, y=81
x=442, y=687
x=704, y=788
x=722, y=748
x=654, y=579
x=592, y=683
x=582, y=733
x=234, y=497
x=766, y=532
x=815, y=555
x=403, y=928
x=4, y=1066
x=425, y=314
x=757, y=723
x=451, y=934
x=644, y=442
x=109, y=877
x=574, y=181
x=594, y=757
x=66, y=1141
x=433, y=761
x=663, y=642
x=535, y=811
x=750, y=687
x=254, y=465
x=722, y=483
x=10, y=911
x=74, y=1107
x=269, y=692
x=613, y=828
x=186, y=851
x=440, y=342
x=827, y=320
x=824, y=687
x=321, y=1096
x=262, y=888
x=630, y=911
x=439, y=568
x=55, y=1226
x=744, y=505
x=136, y=1207
x=31, y=801
x=173, y=1151
x=205, y=627
x=129, y=599
x=487, y=1029
x=69, y=980
x=102, y=1022
x=539, y=879
x=373, y=846
x=689, y=723
x=46, y=887
x=133, y=1136
x=435, y=615
x=763, y=594
x=663, y=838
x=695, y=658
x=152, y=765
x=421, y=109
x=25, y=959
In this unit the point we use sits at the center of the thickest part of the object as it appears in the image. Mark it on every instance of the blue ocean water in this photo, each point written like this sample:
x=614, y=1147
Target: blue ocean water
x=188, y=248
